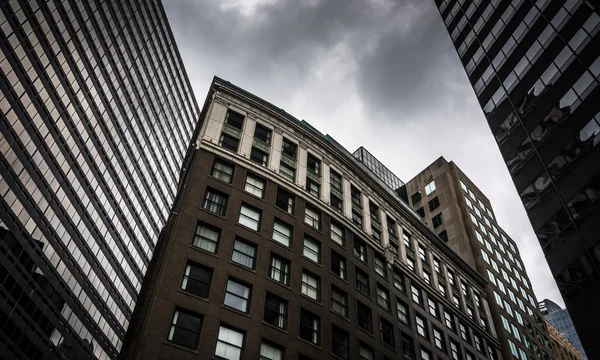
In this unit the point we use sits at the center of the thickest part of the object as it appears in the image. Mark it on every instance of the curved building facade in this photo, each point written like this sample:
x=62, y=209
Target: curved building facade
x=282, y=246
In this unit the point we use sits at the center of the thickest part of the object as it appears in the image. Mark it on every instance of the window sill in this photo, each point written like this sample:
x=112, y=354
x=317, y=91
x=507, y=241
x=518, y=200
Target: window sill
x=312, y=262
x=224, y=217
x=221, y=181
x=274, y=327
x=236, y=311
x=338, y=277
x=242, y=266
x=310, y=343
x=181, y=347
x=205, y=252
x=180, y=291
x=257, y=232
x=279, y=283
x=311, y=299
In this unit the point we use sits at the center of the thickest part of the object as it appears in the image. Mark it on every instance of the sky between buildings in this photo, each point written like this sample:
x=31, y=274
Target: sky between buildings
x=378, y=73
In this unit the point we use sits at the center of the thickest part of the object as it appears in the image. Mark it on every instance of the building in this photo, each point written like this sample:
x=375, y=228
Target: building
x=560, y=319
x=462, y=215
x=534, y=66
x=563, y=349
x=96, y=114
x=282, y=244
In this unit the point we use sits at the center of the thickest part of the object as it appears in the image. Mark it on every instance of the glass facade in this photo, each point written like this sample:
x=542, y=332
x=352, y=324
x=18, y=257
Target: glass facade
x=535, y=68
x=381, y=172
x=560, y=319
x=96, y=115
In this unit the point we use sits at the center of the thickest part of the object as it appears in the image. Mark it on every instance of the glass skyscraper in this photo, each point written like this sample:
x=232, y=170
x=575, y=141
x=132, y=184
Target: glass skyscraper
x=535, y=67
x=96, y=115
x=560, y=319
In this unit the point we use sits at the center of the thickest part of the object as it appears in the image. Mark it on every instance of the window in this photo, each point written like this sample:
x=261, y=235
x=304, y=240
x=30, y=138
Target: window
x=434, y=203
x=433, y=308
x=438, y=339
x=437, y=220
x=360, y=250
x=339, y=301
x=423, y=255
x=399, y=281
x=282, y=233
x=311, y=285
x=288, y=148
x=449, y=320
x=244, y=253
x=464, y=332
x=285, y=201
x=416, y=197
x=426, y=277
x=185, y=329
x=262, y=133
x=380, y=266
x=249, y=217
x=376, y=234
x=335, y=203
x=387, y=332
x=269, y=351
x=402, y=312
x=454, y=350
x=337, y=234
x=222, y=170
x=312, y=249
x=288, y=172
x=276, y=310
x=312, y=217
x=215, y=202
x=279, y=269
x=421, y=326
x=339, y=342
x=229, y=343
x=313, y=188
x=416, y=294
x=234, y=119
x=197, y=279
x=237, y=295
x=429, y=188
x=310, y=327
x=313, y=164
x=255, y=186
x=365, y=352
x=229, y=142
x=478, y=343
x=335, y=181
x=421, y=212
x=364, y=317
x=408, y=347
x=206, y=237
x=259, y=156
x=425, y=355
x=338, y=265
x=362, y=282
x=383, y=297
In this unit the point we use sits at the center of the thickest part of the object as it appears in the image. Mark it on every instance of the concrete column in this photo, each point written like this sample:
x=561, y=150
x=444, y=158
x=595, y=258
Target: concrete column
x=247, y=137
x=301, y=166
x=214, y=123
x=401, y=248
x=347, y=205
x=366, y=224
x=385, y=239
x=275, y=155
x=325, y=185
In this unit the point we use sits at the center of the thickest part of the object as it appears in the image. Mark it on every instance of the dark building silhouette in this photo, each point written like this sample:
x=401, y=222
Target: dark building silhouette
x=283, y=245
x=96, y=114
x=534, y=66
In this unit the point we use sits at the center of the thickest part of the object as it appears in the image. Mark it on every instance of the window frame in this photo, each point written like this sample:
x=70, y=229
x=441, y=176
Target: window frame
x=198, y=243
x=220, y=341
x=228, y=292
x=249, y=218
x=173, y=327
x=251, y=245
x=281, y=314
x=285, y=264
x=222, y=204
x=250, y=188
x=316, y=288
x=316, y=218
x=186, y=279
x=226, y=164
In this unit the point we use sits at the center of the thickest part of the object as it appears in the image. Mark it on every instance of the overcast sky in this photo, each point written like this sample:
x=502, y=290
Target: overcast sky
x=378, y=73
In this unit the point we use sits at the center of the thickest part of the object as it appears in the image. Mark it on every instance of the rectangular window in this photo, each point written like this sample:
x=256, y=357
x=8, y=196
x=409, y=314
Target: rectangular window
x=229, y=343
x=285, y=201
x=376, y=234
x=335, y=181
x=288, y=172
x=434, y=203
x=270, y=351
x=313, y=188
x=429, y=188
x=249, y=217
x=339, y=342
x=279, y=269
x=255, y=186
x=449, y=320
x=237, y=295
x=438, y=339
x=380, y=267
x=365, y=352
x=258, y=156
x=185, y=329
x=433, y=308
x=244, y=253
x=357, y=218
x=464, y=332
x=402, y=312
x=234, y=119
x=339, y=301
x=262, y=133
x=313, y=164
x=222, y=170
x=421, y=326
x=215, y=202
x=416, y=197
x=337, y=234
x=408, y=347
x=338, y=265
x=206, y=237
x=335, y=203
x=416, y=294
x=312, y=217
x=362, y=282
x=312, y=249
x=289, y=148
x=310, y=327
x=437, y=220
x=364, y=317
x=425, y=355
x=383, y=297
x=399, y=281
x=282, y=233
x=387, y=332
x=311, y=285
x=276, y=310
x=197, y=279
x=229, y=142
x=360, y=250
x=455, y=350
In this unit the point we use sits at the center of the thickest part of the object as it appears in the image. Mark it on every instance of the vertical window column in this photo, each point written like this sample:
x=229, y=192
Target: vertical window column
x=247, y=137
x=275, y=156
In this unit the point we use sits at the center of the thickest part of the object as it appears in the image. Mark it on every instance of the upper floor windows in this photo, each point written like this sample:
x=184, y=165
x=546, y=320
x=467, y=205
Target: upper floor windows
x=229, y=343
x=434, y=203
x=437, y=220
x=262, y=133
x=355, y=195
x=285, y=201
x=237, y=295
x=244, y=253
x=255, y=185
x=215, y=202
x=232, y=131
x=206, y=237
x=197, y=279
x=335, y=181
x=234, y=119
x=249, y=217
x=222, y=170
x=430, y=187
x=313, y=164
x=289, y=149
x=260, y=146
x=185, y=329
x=312, y=217
x=312, y=249
x=337, y=234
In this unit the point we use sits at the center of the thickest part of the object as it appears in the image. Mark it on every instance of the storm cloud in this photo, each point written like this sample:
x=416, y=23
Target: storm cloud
x=385, y=70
